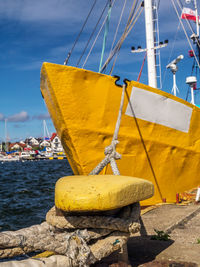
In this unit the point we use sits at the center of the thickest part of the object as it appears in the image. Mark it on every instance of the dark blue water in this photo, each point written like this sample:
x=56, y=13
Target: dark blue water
x=27, y=191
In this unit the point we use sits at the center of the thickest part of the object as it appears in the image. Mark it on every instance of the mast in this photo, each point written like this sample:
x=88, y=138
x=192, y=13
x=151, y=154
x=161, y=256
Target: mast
x=197, y=18
x=6, y=136
x=151, y=63
x=46, y=132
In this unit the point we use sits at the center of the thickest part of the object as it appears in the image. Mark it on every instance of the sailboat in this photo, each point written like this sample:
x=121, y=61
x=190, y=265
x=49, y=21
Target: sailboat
x=159, y=137
x=8, y=155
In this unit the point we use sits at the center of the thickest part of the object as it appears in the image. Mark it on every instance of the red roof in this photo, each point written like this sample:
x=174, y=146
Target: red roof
x=53, y=136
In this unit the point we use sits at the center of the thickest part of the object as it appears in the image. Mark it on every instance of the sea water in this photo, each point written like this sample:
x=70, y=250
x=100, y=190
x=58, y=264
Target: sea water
x=27, y=191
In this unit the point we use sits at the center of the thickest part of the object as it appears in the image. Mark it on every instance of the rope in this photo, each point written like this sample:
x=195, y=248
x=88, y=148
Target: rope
x=140, y=73
x=185, y=33
x=117, y=52
x=92, y=33
x=110, y=151
x=94, y=43
x=105, y=34
x=98, y=225
x=131, y=22
x=115, y=36
x=83, y=240
x=172, y=49
x=95, y=40
x=112, y=53
x=189, y=25
x=144, y=146
x=77, y=38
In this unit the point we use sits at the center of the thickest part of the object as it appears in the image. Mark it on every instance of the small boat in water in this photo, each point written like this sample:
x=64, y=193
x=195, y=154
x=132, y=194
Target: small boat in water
x=9, y=158
x=25, y=155
x=159, y=135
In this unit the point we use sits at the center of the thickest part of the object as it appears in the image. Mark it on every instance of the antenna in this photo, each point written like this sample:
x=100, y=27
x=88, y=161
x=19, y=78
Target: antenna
x=173, y=67
x=192, y=81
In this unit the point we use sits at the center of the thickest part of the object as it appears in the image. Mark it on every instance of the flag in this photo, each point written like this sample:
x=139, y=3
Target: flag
x=189, y=14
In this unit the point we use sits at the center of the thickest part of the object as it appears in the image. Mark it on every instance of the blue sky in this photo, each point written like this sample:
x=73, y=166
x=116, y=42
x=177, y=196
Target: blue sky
x=33, y=32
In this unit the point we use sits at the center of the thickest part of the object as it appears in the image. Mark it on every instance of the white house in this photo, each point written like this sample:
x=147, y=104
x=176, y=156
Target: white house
x=45, y=143
x=56, y=143
x=16, y=147
x=33, y=142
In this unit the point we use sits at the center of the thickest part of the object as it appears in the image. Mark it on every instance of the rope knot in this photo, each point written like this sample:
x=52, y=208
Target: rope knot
x=110, y=151
x=111, y=148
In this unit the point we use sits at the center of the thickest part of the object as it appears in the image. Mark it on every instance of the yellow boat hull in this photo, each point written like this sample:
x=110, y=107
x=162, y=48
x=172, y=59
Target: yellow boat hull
x=162, y=146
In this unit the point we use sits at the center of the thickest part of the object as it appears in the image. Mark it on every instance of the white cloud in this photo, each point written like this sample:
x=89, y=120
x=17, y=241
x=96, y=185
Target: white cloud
x=42, y=116
x=19, y=117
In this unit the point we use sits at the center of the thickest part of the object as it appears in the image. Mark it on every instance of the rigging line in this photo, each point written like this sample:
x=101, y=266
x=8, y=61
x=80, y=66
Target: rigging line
x=140, y=73
x=131, y=15
x=188, y=22
x=94, y=42
x=95, y=39
x=105, y=33
x=190, y=26
x=173, y=45
x=92, y=33
x=77, y=38
x=130, y=18
x=115, y=36
x=185, y=33
x=119, y=43
x=133, y=23
x=131, y=12
x=117, y=52
x=122, y=42
x=158, y=4
x=144, y=145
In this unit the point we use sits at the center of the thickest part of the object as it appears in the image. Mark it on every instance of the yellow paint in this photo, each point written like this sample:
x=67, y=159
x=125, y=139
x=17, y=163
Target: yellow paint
x=60, y=158
x=100, y=192
x=84, y=107
x=44, y=254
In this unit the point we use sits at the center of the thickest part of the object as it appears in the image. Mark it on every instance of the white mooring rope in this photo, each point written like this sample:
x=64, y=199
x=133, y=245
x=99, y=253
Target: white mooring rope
x=110, y=151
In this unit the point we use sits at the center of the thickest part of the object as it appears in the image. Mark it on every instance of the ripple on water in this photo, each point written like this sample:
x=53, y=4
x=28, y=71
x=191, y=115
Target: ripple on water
x=27, y=191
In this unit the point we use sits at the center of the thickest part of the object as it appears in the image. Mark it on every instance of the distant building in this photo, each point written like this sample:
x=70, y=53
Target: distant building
x=45, y=144
x=17, y=146
x=28, y=148
x=33, y=142
x=56, y=143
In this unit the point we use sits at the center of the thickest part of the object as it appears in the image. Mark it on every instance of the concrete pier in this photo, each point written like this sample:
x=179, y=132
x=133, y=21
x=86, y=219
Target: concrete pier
x=182, y=223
